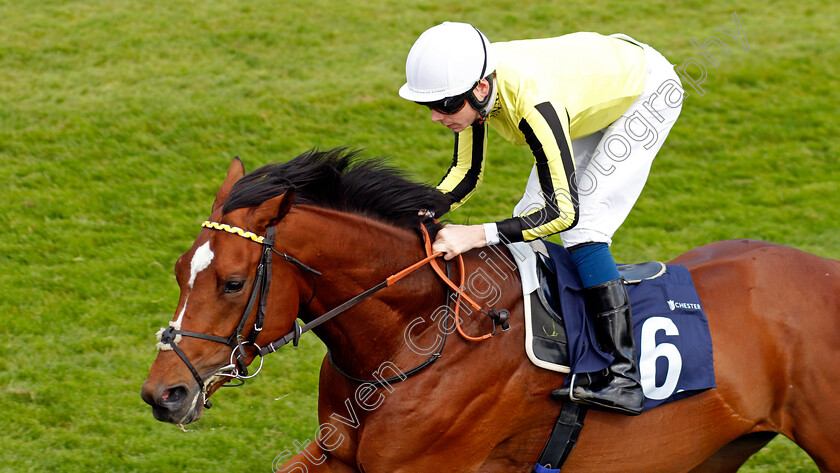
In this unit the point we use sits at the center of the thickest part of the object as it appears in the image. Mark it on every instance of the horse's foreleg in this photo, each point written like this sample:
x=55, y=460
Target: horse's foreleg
x=313, y=460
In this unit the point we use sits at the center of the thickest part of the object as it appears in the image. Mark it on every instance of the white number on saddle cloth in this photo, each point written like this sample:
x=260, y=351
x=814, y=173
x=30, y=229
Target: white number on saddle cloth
x=650, y=351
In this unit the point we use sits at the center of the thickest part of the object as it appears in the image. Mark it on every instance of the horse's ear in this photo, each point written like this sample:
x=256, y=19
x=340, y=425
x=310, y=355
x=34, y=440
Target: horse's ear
x=272, y=210
x=235, y=173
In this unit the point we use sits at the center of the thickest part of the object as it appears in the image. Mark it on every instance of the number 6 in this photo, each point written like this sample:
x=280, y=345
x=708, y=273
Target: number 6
x=650, y=351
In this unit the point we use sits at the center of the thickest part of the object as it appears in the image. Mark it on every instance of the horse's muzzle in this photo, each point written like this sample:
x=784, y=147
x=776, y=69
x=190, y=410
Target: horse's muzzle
x=175, y=404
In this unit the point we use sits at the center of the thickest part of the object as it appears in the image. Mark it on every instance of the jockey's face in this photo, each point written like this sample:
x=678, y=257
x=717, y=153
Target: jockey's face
x=466, y=116
x=458, y=121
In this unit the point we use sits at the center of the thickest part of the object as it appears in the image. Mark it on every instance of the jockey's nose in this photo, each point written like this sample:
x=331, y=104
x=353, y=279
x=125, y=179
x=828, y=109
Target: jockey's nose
x=437, y=116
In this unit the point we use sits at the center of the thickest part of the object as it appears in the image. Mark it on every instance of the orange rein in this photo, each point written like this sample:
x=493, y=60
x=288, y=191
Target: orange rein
x=430, y=259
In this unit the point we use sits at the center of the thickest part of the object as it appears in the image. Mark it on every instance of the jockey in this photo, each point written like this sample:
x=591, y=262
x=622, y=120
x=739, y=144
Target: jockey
x=594, y=110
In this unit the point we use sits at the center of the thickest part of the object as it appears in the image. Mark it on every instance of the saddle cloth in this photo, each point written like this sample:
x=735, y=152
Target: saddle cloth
x=673, y=343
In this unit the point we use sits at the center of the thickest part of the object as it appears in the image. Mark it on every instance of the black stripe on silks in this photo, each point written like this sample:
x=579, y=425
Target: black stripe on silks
x=454, y=160
x=543, y=172
x=550, y=115
x=470, y=180
x=510, y=230
x=440, y=211
x=550, y=211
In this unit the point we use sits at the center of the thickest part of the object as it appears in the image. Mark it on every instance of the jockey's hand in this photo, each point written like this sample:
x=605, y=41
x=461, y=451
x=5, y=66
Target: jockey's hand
x=456, y=239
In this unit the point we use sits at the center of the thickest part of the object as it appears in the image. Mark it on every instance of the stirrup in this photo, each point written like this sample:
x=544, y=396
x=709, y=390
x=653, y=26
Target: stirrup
x=571, y=396
x=572, y=389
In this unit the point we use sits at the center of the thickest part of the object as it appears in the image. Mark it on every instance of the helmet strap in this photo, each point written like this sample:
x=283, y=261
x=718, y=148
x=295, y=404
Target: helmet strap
x=480, y=106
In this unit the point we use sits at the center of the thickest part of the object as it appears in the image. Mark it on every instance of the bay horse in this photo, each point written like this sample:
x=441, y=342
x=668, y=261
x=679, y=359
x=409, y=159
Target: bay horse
x=341, y=225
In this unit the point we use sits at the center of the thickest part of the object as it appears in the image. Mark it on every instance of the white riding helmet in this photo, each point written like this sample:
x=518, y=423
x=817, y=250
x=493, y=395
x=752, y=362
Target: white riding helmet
x=446, y=60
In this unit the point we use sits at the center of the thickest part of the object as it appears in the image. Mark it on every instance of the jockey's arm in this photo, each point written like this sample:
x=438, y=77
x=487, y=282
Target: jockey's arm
x=547, y=134
x=467, y=169
x=545, y=127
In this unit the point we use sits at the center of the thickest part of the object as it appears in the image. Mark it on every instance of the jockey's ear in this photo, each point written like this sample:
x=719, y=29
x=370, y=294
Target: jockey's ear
x=235, y=173
x=270, y=212
x=482, y=89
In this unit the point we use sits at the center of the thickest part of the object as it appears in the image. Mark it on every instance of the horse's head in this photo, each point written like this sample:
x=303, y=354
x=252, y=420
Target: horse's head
x=211, y=339
x=225, y=277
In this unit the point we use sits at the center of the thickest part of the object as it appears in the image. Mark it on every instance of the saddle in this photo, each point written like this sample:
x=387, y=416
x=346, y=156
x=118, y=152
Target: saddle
x=546, y=342
x=673, y=343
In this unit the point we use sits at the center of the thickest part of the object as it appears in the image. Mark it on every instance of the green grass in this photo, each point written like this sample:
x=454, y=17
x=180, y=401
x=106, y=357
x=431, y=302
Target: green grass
x=119, y=118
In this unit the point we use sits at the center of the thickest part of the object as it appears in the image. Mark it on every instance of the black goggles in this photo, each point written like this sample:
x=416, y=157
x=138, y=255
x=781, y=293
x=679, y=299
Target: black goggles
x=449, y=105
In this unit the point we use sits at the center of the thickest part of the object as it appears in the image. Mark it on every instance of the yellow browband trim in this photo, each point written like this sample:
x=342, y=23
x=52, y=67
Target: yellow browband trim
x=235, y=230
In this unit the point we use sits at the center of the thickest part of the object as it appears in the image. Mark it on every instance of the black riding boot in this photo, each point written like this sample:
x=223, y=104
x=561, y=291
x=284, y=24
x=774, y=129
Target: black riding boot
x=616, y=388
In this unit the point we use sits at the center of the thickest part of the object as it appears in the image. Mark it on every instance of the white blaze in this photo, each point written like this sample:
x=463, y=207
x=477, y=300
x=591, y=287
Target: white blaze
x=201, y=259
x=177, y=322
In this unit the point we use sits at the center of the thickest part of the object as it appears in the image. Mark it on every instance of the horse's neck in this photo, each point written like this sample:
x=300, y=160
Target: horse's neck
x=354, y=254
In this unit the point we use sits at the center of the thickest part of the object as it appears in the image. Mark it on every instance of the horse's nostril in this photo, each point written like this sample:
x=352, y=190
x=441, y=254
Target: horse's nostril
x=173, y=398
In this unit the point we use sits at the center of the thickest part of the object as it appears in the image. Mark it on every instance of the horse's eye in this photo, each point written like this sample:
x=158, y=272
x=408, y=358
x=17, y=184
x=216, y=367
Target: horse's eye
x=233, y=286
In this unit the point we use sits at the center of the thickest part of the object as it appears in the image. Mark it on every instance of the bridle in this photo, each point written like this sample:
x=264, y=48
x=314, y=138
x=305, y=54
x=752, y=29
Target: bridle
x=237, y=369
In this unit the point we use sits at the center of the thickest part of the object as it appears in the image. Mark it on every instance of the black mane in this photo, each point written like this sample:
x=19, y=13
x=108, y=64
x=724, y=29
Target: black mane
x=338, y=179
